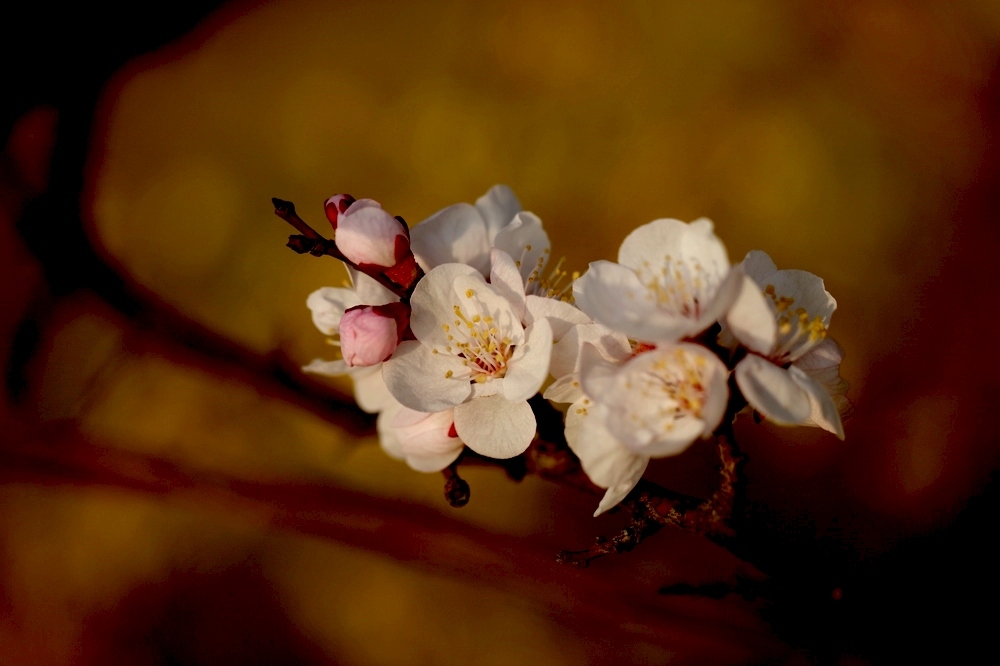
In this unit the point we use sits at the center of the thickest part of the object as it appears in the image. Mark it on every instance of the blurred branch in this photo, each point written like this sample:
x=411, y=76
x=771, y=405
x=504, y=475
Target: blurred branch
x=57, y=456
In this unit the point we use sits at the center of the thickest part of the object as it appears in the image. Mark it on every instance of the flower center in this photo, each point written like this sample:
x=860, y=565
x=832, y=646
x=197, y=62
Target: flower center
x=797, y=332
x=475, y=338
x=669, y=388
x=555, y=284
x=679, y=285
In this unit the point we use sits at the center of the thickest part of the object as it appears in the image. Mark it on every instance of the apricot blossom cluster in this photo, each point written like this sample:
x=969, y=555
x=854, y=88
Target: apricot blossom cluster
x=447, y=329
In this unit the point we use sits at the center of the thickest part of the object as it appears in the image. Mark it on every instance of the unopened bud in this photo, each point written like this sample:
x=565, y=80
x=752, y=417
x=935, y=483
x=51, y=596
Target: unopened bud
x=366, y=234
x=422, y=434
x=370, y=333
x=336, y=206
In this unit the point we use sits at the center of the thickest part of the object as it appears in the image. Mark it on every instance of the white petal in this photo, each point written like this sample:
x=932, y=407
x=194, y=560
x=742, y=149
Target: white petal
x=423, y=429
x=759, y=266
x=526, y=242
x=596, y=374
x=808, y=291
x=497, y=207
x=495, y=427
x=608, y=464
x=329, y=368
x=612, y=345
x=505, y=278
x=369, y=291
x=565, y=389
x=823, y=410
x=822, y=363
x=771, y=391
x=387, y=432
x=684, y=432
x=752, y=320
x=488, y=388
x=529, y=366
x=475, y=297
x=456, y=234
x=328, y=305
x=725, y=296
x=370, y=390
x=562, y=316
x=436, y=462
x=432, y=302
x=613, y=295
x=424, y=440
x=824, y=356
x=417, y=378
x=694, y=242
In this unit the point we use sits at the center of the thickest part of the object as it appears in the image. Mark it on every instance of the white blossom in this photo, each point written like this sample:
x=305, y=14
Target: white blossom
x=792, y=373
x=473, y=353
x=672, y=280
x=628, y=407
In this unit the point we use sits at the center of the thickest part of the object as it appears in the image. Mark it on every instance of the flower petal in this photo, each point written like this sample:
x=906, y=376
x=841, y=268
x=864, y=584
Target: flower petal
x=822, y=363
x=369, y=291
x=529, y=366
x=566, y=389
x=695, y=242
x=771, y=391
x=506, y=279
x=613, y=295
x=596, y=374
x=328, y=368
x=456, y=234
x=759, y=266
x=526, y=242
x=387, y=438
x=725, y=296
x=436, y=462
x=433, y=300
x=608, y=464
x=807, y=290
x=612, y=345
x=425, y=381
x=328, y=305
x=823, y=410
x=370, y=390
x=562, y=316
x=752, y=320
x=473, y=296
x=495, y=427
x=497, y=207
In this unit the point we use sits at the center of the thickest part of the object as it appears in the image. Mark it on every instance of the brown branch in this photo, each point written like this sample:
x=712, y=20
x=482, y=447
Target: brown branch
x=652, y=508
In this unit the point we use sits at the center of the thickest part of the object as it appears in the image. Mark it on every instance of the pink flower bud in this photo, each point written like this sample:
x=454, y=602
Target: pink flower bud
x=422, y=434
x=366, y=234
x=370, y=333
x=335, y=206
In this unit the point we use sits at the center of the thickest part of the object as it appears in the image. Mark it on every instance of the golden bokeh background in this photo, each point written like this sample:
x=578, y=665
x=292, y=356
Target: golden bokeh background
x=848, y=140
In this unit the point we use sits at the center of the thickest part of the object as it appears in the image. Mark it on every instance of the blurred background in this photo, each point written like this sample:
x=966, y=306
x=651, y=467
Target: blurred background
x=174, y=492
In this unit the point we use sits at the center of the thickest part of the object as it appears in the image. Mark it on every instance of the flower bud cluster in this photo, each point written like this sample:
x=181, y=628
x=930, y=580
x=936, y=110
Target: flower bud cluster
x=450, y=328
